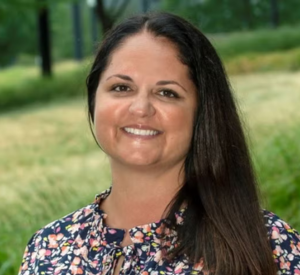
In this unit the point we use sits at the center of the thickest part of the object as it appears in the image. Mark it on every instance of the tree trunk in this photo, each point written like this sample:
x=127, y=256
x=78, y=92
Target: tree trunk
x=44, y=40
x=274, y=13
x=108, y=16
x=77, y=33
x=105, y=19
x=247, y=14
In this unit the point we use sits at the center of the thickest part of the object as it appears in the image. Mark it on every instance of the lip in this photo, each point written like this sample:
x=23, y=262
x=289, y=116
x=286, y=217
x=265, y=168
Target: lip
x=141, y=127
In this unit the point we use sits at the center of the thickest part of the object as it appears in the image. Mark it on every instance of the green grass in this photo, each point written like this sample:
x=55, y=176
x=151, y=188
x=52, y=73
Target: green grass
x=256, y=62
x=262, y=41
x=270, y=103
x=20, y=86
x=50, y=165
x=260, y=50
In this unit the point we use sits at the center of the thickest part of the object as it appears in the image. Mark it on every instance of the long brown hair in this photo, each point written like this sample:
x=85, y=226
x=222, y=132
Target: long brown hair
x=223, y=222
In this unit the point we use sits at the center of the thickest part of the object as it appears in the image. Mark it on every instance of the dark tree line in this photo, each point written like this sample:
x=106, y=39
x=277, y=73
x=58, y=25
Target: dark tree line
x=30, y=22
x=235, y=15
x=24, y=23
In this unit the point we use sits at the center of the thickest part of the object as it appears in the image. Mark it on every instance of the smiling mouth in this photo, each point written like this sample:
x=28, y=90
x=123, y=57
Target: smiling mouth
x=141, y=132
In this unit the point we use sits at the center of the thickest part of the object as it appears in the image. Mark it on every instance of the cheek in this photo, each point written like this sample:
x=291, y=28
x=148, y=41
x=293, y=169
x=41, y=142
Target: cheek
x=182, y=122
x=109, y=114
x=104, y=120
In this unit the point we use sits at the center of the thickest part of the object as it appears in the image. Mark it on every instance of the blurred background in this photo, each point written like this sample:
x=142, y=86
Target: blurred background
x=49, y=163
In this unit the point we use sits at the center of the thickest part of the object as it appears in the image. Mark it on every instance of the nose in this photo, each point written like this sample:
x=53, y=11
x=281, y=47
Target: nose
x=141, y=106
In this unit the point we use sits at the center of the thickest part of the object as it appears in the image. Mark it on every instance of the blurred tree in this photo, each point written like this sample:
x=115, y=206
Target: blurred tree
x=18, y=30
x=289, y=11
x=247, y=14
x=235, y=15
x=108, y=15
x=274, y=13
x=62, y=30
x=19, y=27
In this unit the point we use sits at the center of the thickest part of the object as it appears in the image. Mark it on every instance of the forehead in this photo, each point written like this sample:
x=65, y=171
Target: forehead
x=145, y=38
x=147, y=53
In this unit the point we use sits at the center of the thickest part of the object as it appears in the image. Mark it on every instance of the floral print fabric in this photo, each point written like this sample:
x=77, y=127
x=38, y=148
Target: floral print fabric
x=81, y=243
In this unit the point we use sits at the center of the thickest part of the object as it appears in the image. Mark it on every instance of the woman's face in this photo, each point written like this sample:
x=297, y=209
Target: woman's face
x=145, y=104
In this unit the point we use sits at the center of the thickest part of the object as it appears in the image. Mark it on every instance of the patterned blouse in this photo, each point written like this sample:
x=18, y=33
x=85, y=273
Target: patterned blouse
x=80, y=243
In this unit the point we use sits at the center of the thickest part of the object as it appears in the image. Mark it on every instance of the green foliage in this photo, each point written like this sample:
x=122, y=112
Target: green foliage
x=245, y=51
x=277, y=163
x=232, y=15
x=18, y=21
x=6, y=261
x=17, y=25
x=63, y=33
x=270, y=104
x=19, y=29
x=62, y=40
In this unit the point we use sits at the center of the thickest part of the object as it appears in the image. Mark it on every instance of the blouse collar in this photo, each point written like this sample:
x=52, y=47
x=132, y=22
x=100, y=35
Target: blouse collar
x=148, y=233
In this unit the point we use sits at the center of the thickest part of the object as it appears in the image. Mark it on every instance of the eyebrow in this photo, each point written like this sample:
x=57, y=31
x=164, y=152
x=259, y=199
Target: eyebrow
x=161, y=82
x=122, y=76
x=166, y=82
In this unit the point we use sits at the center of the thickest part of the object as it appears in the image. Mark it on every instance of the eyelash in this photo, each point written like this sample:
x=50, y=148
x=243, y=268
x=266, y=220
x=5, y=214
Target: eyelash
x=114, y=88
x=171, y=93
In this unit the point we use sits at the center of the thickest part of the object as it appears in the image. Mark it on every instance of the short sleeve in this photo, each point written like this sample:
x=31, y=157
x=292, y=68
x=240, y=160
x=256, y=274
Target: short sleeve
x=285, y=244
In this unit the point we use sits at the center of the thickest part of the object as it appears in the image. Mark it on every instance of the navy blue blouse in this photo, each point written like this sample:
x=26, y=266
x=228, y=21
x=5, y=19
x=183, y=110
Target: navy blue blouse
x=81, y=243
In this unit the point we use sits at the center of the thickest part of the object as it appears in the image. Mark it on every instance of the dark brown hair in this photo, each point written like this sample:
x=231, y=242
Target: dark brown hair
x=223, y=222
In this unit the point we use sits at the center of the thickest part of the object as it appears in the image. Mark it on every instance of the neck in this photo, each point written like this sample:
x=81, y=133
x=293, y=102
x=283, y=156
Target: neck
x=140, y=196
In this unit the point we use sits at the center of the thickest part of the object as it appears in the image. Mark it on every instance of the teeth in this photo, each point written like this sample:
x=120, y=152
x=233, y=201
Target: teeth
x=141, y=132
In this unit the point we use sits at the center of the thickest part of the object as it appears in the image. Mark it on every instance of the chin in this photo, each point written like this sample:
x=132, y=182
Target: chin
x=139, y=162
x=135, y=161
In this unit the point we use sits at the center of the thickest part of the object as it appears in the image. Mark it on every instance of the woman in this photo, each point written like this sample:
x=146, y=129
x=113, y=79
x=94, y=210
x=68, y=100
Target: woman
x=183, y=197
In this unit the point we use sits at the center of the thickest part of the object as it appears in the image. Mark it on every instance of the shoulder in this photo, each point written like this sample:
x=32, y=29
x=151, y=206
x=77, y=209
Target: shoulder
x=69, y=224
x=279, y=230
x=285, y=244
x=63, y=229
x=72, y=223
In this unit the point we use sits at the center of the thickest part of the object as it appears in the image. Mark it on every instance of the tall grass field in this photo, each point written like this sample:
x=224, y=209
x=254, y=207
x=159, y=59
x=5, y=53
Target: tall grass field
x=50, y=164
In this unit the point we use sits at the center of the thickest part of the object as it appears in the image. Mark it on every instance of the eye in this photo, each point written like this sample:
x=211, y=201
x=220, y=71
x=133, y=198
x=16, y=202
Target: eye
x=168, y=93
x=120, y=88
